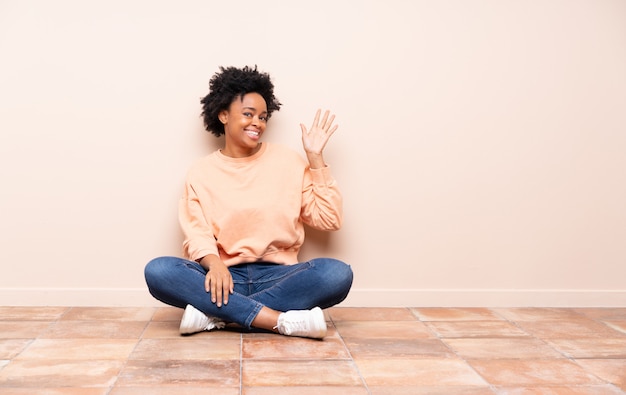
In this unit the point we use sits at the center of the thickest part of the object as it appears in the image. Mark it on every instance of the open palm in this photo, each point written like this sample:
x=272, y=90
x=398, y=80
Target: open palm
x=315, y=138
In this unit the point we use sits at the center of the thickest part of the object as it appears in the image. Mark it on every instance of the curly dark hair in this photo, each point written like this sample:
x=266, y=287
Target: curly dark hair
x=229, y=84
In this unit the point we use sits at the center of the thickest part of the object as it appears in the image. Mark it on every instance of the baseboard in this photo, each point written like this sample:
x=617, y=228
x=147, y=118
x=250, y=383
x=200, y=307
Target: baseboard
x=77, y=297
x=358, y=297
x=371, y=297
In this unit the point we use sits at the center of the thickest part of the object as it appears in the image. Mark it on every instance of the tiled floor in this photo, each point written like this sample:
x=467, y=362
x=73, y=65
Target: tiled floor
x=132, y=351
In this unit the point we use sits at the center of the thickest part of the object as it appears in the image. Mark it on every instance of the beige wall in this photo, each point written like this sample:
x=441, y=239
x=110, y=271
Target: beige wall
x=481, y=147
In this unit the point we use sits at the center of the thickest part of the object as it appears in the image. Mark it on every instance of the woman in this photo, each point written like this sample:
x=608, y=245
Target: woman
x=243, y=213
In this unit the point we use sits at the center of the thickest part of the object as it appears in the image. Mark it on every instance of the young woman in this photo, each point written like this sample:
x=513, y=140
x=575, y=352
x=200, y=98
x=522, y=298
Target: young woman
x=243, y=212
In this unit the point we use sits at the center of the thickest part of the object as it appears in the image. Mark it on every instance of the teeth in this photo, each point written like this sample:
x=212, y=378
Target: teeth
x=252, y=132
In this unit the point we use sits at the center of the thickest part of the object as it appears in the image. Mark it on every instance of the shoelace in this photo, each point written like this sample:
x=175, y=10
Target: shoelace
x=291, y=327
x=215, y=323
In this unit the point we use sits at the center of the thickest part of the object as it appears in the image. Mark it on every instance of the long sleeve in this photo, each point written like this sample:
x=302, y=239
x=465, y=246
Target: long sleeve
x=199, y=238
x=322, y=203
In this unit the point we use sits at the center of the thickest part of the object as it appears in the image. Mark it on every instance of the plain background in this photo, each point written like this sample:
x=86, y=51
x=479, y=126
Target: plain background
x=481, y=148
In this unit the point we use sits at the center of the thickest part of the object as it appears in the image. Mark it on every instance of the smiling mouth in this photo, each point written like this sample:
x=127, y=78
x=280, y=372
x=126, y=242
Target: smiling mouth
x=252, y=133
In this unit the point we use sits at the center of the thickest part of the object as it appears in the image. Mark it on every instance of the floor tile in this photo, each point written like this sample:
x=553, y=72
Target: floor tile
x=561, y=390
x=78, y=349
x=538, y=314
x=617, y=325
x=188, y=348
x=55, y=391
x=384, y=329
x=398, y=348
x=455, y=314
x=579, y=328
x=417, y=372
x=498, y=348
x=168, y=314
x=94, y=330
x=431, y=390
x=370, y=314
x=51, y=373
x=612, y=313
x=280, y=347
x=174, y=390
x=591, y=348
x=18, y=313
x=467, y=329
x=10, y=348
x=310, y=390
x=23, y=329
x=611, y=370
x=109, y=313
x=509, y=372
x=299, y=373
x=161, y=329
x=178, y=373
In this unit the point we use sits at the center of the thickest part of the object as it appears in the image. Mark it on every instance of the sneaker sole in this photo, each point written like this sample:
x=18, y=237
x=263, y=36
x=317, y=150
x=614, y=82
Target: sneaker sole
x=185, y=325
x=321, y=331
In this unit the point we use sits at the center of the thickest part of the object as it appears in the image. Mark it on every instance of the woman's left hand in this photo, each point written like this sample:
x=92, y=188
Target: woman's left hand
x=315, y=139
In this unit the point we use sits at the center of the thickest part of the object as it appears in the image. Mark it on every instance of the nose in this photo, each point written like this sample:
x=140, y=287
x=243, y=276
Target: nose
x=256, y=120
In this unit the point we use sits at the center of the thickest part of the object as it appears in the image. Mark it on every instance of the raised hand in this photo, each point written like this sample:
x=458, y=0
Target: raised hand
x=315, y=138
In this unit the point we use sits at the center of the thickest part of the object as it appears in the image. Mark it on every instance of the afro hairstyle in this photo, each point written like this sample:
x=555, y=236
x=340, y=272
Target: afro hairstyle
x=231, y=83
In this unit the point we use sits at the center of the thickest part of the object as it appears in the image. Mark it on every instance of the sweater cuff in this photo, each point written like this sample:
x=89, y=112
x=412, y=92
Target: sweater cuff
x=198, y=255
x=322, y=176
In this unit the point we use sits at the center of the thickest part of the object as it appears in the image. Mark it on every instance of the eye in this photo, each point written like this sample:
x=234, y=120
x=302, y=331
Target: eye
x=263, y=118
x=247, y=114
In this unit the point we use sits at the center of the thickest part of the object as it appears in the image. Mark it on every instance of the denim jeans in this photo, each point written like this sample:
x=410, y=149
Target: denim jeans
x=322, y=282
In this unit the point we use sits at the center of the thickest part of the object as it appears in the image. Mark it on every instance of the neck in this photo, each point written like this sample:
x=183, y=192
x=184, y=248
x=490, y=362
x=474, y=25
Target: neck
x=240, y=152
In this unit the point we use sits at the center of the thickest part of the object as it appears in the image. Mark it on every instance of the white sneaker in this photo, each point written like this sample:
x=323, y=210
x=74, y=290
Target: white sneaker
x=194, y=321
x=302, y=323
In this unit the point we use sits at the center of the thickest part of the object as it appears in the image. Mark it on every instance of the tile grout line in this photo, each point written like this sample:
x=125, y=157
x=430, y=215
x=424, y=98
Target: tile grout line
x=50, y=325
x=241, y=364
x=9, y=361
x=547, y=343
x=354, y=364
x=574, y=360
x=127, y=359
x=491, y=386
x=517, y=324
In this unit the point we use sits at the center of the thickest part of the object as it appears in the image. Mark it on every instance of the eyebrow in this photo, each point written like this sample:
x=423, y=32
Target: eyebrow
x=253, y=109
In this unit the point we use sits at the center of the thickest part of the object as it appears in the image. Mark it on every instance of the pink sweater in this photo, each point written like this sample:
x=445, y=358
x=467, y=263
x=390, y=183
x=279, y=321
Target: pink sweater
x=254, y=208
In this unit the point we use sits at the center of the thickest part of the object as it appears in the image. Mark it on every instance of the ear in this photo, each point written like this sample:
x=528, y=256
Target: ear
x=223, y=116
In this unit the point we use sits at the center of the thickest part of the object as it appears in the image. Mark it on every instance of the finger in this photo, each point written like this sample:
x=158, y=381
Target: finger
x=230, y=291
x=330, y=122
x=220, y=293
x=323, y=124
x=224, y=292
x=331, y=131
x=213, y=291
x=316, y=120
x=207, y=284
x=304, y=131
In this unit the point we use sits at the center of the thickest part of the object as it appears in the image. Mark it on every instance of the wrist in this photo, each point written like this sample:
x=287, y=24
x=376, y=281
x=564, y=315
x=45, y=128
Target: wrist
x=316, y=161
x=210, y=261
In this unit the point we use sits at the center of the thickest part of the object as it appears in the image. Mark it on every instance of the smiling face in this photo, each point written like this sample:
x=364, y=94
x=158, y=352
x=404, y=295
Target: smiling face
x=244, y=124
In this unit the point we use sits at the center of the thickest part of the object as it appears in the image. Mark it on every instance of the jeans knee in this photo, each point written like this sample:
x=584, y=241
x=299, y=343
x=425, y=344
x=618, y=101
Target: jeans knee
x=339, y=273
x=154, y=269
x=347, y=275
x=339, y=280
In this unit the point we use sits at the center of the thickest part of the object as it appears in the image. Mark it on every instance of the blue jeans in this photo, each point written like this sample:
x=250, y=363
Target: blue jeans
x=322, y=282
